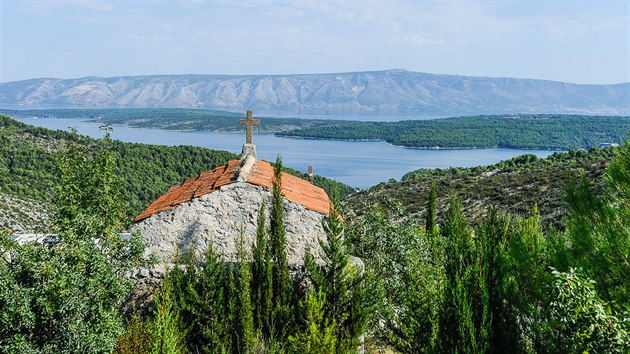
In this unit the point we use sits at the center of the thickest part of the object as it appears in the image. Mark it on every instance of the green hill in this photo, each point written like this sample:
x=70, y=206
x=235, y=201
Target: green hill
x=516, y=185
x=541, y=131
x=29, y=157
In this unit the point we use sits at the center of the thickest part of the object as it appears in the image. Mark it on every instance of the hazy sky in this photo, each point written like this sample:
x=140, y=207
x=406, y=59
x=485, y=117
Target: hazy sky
x=574, y=41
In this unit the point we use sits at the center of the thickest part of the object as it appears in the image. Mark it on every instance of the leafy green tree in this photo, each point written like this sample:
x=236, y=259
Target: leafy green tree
x=65, y=296
x=342, y=282
x=458, y=318
x=262, y=278
x=412, y=326
x=513, y=282
x=598, y=230
x=583, y=323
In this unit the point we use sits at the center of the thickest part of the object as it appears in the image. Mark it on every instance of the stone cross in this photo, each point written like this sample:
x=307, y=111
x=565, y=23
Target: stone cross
x=249, y=123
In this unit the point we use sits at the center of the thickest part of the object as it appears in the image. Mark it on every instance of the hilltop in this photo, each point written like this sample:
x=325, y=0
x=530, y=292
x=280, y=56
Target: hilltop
x=375, y=92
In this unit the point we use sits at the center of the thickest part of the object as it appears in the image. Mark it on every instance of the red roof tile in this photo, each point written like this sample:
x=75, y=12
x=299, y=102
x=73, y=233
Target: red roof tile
x=294, y=189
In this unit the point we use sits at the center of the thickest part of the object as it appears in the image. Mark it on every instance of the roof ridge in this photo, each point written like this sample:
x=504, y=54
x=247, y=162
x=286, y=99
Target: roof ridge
x=246, y=168
x=251, y=171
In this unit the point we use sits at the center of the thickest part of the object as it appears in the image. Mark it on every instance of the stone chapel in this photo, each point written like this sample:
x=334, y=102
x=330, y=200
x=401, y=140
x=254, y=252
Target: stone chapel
x=217, y=206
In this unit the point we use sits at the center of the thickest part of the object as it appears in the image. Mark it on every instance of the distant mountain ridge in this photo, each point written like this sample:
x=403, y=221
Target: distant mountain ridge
x=377, y=92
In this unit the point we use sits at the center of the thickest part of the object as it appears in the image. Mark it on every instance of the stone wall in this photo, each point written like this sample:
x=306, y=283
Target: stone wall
x=219, y=218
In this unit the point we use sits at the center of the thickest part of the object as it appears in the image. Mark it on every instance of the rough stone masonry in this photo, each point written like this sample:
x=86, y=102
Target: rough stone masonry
x=219, y=219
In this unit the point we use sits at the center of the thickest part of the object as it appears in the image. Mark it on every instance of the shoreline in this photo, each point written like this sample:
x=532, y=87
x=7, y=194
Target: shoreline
x=424, y=147
x=275, y=133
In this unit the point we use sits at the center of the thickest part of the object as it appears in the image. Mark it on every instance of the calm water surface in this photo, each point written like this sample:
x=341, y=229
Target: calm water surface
x=357, y=163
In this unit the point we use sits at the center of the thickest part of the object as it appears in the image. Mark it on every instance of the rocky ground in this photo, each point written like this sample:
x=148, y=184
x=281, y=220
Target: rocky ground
x=24, y=215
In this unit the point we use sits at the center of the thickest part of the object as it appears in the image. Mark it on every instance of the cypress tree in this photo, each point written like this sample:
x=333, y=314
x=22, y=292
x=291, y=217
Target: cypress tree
x=457, y=329
x=232, y=291
x=211, y=315
x=167, y=337
x=319, y=333
x=261, y=276
x=246, y=333
x=281, y=282
x=341, y=283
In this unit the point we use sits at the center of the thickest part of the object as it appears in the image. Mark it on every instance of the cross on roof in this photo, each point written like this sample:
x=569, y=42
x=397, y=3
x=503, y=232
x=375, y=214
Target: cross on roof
x=249, y=123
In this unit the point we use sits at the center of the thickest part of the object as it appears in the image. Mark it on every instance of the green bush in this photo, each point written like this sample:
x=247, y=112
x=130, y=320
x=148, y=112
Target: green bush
x=65, y=296
x=582, y=321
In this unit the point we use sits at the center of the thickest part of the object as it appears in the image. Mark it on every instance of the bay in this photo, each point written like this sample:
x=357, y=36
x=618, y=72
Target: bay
x=360, y=164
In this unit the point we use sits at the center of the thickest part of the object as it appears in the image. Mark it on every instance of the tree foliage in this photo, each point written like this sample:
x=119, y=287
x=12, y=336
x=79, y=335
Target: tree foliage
x=29, y=156
x=540, y=131
x=584, y=322
x=342, y=283
x=64, y=295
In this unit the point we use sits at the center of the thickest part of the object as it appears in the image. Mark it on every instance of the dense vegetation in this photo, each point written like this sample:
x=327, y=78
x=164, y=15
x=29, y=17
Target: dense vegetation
x=501, y=283
x=508, y=284
x=65, y=296
x=516, y=186
x=504, y=285
x=522, y=131
x=29, y=156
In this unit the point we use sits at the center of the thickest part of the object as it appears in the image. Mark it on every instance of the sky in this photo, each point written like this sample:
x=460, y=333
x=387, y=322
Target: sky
x=571, y=41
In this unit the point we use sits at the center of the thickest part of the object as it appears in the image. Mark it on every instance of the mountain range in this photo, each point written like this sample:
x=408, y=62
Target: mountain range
x=395, y=92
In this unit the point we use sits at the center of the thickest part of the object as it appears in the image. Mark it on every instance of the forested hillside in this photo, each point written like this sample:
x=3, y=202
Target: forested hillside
x=503, y=283
x=542, y=131
x=29, y=157
x=168, y=118
x=517, y=186
x=509, y=131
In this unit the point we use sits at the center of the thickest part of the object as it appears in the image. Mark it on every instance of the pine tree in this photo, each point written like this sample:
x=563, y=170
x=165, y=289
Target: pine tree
x=598, y=230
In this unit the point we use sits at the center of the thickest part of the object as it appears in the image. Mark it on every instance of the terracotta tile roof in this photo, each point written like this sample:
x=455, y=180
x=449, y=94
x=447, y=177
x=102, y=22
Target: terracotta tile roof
x=294, y=189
